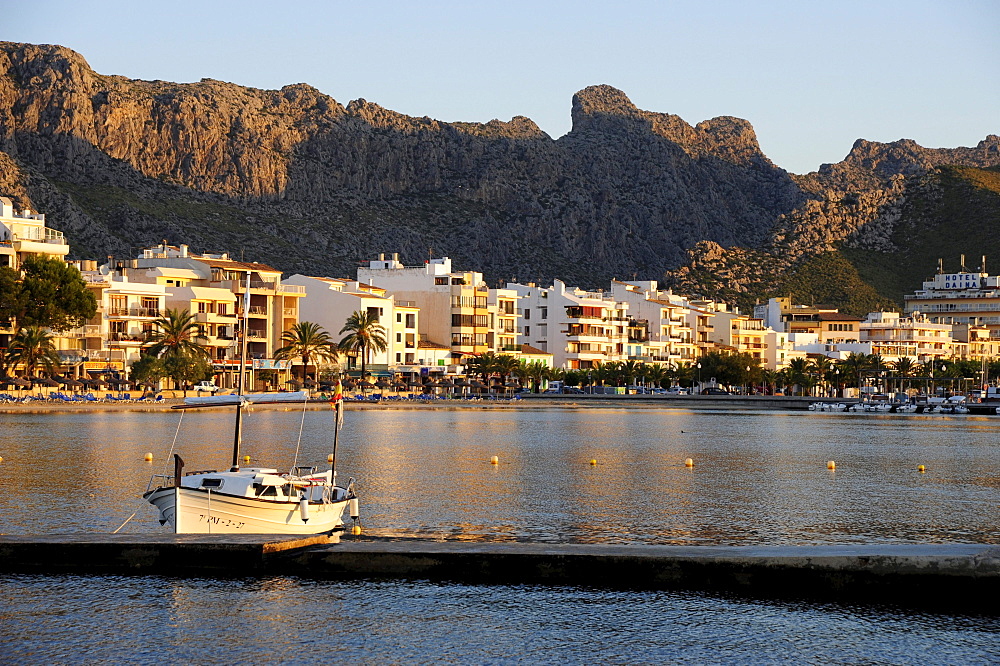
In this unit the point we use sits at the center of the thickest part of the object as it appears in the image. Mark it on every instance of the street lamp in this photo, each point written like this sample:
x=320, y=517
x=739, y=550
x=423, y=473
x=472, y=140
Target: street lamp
x=748, y=381
x=699, y=376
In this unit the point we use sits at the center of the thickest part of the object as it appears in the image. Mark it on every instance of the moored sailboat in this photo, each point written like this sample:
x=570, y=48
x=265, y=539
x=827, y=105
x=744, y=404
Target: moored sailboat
x=253, y=500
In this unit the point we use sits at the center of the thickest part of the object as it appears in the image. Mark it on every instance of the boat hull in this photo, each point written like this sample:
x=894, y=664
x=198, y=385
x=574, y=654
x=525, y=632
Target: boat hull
x=200, y=511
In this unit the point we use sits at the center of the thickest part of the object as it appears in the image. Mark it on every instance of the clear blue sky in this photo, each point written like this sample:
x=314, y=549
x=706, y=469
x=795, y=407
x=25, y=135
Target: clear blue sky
x=811, y=76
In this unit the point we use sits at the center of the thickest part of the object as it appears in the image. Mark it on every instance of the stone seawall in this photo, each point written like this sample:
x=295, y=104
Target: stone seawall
x=946, y=577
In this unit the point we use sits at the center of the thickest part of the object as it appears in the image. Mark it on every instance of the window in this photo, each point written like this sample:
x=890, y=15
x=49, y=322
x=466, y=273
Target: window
x=399, y=338
x=527, y=313
x=527, y=331
x=411, y=321
x=544, y=313
x=399, y=317
x=440, y=280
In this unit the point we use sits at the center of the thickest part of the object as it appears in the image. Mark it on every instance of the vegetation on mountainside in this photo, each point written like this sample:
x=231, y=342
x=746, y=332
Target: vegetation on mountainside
x=959, y=214
x=830, y=279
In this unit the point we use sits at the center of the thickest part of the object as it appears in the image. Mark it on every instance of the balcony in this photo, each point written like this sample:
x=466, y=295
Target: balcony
x=475, y=302
x=290, y=289
x=127, y=338
x=134, y=312
x=256, y=334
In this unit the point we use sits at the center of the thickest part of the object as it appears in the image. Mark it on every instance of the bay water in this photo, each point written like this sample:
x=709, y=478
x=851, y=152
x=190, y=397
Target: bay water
x=758, y=478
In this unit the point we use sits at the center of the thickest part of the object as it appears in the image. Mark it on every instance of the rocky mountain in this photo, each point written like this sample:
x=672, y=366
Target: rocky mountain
x=293, y=178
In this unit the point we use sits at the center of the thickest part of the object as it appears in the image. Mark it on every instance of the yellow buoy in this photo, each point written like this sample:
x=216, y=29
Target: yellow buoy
x=329, y=458
x=920, y=468
x=1, y=458
x=688, y=462
x=246, y=459
x=593, y=462
x=495, y=460
x=831, y=464
x=356, y=529
x=148, y=457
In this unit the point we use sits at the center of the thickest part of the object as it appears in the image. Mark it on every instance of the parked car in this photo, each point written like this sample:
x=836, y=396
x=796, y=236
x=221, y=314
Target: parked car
x=714, y=390
x=571, y=389
x=676, y=390
x=208, y=386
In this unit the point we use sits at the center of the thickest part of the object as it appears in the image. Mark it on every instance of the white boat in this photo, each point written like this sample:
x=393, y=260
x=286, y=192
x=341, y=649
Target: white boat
x=253, y=500
x=250, y=500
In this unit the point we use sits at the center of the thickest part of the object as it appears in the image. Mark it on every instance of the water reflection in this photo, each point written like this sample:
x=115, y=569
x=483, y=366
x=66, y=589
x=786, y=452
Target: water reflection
x=98, y=619
x=758, y=478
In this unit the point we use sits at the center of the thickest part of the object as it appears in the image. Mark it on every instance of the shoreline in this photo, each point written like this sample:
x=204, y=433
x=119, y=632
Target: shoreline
x=525, y=401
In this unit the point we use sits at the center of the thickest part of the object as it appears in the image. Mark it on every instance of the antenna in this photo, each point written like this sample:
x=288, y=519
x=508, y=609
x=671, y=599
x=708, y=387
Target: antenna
x=964, y=270
x=940, y=266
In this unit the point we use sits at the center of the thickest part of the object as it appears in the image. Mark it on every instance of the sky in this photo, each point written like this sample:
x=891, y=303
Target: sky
x=811, y=76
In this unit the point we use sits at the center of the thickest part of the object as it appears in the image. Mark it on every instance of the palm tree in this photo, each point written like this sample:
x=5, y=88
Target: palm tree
x=365, y=335
x=654, y=375
x=853, y=368
x=538, y=372
x=175, y=334
x=798, y=373
x=904, y=367
x=306, y=341
x=768, y=378
x=505, y=366
x=821, y=367
x=33, y=347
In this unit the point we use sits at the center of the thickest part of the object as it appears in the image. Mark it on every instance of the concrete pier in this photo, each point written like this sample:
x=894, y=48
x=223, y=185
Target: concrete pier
x=954, y=577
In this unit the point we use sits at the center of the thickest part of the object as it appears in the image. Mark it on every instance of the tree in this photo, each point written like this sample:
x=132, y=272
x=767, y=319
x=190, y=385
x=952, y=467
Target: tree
x=48, y=293
x=306, y=341
x=175, y=334
x=365, y=335
x=174, y=342
x=822, y=366
x=798, y=373
x=148, y=369
x=853, y=368
x=33, y=347
x=186, y=369
x=538, y=372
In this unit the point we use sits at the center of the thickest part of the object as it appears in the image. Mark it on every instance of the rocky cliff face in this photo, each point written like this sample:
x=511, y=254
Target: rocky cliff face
x=294, y=178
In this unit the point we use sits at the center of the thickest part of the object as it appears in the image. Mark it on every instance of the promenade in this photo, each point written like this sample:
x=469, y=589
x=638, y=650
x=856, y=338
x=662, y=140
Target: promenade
x=523, y=400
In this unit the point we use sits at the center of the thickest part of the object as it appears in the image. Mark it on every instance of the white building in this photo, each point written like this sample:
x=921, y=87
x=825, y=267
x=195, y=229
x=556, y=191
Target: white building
x=454, y=305
x=580, y=329
x=330, y=302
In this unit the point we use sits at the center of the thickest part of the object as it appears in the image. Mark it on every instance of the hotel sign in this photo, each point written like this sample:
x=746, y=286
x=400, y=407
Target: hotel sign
x=959, y=280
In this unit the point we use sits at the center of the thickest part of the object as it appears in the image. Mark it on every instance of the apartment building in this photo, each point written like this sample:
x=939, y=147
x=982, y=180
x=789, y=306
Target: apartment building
x=126, y=311
x=742, y=334
x=214, y=288
x=893, y=336
x=330, y=302
x=505, y=322
x=659, y=323
x=454, y=305
x=826, y=322
x=581, y=329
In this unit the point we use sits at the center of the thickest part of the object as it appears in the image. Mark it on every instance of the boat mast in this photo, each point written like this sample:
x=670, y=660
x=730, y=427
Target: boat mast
x=338, y=422
x=239, y=385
